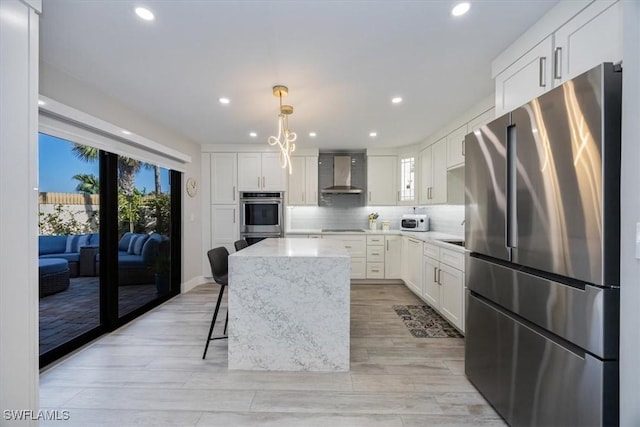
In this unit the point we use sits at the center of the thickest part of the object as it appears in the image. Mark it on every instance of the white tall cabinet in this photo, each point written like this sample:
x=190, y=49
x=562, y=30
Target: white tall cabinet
x=261, y=172
x=19, y=26
x=224, y=214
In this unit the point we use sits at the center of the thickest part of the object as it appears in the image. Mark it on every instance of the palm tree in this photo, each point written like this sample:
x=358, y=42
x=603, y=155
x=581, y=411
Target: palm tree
x=88, y=183
x=127, y=167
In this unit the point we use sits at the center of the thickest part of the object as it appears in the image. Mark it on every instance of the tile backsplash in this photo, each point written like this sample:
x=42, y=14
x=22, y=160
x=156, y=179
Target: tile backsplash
x=444, y=218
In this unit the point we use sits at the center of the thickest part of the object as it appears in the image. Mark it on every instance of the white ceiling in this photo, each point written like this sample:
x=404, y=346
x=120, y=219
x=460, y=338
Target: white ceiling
x=342, y=60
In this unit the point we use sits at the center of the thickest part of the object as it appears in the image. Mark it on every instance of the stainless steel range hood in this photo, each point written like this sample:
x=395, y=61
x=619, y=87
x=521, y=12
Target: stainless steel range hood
x=341, y=177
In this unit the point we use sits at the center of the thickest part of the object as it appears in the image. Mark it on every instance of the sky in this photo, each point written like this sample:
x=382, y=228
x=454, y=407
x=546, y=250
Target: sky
x=58, y=165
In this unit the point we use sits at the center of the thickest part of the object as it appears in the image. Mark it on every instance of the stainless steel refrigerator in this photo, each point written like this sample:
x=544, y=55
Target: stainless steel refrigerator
x=542, y=226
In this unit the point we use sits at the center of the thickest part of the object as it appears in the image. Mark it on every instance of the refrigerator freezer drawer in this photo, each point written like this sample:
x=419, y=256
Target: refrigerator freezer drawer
x=587, y=317
x=531, y=379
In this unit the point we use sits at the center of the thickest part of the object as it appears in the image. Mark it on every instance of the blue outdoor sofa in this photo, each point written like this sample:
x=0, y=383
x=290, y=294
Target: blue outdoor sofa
x=137, y=255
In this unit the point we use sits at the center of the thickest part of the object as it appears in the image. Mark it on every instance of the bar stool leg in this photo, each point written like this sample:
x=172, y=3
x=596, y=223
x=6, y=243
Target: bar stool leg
x=226, y=322
x=213, y=320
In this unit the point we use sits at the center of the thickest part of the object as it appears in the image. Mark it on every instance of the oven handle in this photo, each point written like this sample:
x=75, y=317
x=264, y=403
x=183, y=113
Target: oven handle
x=260, y=202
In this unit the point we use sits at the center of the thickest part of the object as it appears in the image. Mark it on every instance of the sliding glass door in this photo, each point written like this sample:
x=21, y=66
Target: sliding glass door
x=106, y=251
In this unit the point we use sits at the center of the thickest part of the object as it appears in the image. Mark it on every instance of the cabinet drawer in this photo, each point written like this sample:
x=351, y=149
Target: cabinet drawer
x=432, y=251
x=375, y=270
x=355, y=245
x=375, y=240
x=375, y=253
x=452, y=258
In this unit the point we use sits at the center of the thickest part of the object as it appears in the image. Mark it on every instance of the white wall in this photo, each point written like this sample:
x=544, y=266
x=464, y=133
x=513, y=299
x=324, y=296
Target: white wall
x=68, y=90
x=18, y=209
x=630, y=207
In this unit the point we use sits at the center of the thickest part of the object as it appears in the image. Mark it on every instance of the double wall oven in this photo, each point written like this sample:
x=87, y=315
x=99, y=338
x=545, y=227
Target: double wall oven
x=261, y=216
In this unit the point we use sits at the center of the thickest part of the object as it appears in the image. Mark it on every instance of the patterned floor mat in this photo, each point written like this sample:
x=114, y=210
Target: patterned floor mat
x=424, y=322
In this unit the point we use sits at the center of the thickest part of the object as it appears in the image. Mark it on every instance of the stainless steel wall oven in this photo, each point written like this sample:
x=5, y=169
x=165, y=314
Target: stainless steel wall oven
x=261, y=216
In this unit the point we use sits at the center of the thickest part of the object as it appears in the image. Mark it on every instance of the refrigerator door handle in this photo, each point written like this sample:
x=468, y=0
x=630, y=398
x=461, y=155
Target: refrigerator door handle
x=511, y=235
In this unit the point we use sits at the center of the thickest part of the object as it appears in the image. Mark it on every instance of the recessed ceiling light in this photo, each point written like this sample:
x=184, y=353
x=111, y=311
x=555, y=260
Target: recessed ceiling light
x=224, y=100
x=126, y=132
x=373, y=134
x=144, y=13
x=41, y=102
x=396, y=100
x=461, y=8
x=312, y=134
x=253, y=134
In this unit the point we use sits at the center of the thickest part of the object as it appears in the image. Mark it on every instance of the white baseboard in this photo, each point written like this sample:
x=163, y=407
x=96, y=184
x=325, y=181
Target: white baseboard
x=196, y=281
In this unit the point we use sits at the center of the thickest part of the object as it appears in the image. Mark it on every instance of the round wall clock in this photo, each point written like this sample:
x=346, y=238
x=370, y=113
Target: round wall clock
x=192, y=187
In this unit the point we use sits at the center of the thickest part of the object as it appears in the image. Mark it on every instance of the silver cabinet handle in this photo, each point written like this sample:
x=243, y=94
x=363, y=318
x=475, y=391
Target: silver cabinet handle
x=258, y=182
x=463, y=148
x=387, y=246
x=398, y=195
x=542, y=81
x=557, y=63
x=435, y=274
x=348, y=247
x=234, y=215
x=369, y=195
x=375, y=253
x=375, y=271
x=439, y=271
x=263, y=183
x=234, y=193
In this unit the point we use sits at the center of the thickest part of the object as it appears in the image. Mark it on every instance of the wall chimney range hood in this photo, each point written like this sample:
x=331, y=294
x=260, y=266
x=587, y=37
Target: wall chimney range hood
x=341, y=177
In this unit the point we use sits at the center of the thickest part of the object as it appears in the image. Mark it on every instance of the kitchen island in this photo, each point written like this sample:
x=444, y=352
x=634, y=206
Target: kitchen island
x=289, y=305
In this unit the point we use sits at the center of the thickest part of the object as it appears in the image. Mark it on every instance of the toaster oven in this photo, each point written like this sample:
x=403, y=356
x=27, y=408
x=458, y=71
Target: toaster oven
x=414, y=222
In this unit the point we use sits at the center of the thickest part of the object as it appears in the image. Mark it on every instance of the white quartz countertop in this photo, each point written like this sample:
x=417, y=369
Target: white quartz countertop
x=434, y=237
x=317, y=248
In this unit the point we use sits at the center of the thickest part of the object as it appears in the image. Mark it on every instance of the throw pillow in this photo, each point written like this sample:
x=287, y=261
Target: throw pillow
x=132, y=242
x=74, y=242
x=140, y=241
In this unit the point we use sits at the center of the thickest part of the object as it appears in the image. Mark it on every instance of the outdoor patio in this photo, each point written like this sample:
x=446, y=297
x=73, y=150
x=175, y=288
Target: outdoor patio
x=67, y=314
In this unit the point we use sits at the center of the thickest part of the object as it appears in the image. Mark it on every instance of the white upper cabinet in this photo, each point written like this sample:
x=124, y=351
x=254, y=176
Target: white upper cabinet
x=592, y=37
x=224, y=178
x=381, y=180
x=260, y=172
x=525, y=79
x=433, y=164
x=455, y=147
x=303, y=182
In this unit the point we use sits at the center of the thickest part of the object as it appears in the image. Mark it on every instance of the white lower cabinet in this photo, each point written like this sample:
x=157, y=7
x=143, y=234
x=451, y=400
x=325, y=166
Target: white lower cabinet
x=356, y=245
x=413, y=269
x=443, y=282
x=393, y=257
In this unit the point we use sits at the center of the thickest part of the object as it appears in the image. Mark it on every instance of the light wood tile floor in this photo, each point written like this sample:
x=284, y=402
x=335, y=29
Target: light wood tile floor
x=150, y=373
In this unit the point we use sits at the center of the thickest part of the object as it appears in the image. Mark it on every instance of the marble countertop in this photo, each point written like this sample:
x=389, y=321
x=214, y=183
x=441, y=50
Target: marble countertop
x=317, y=248
x=434, y=237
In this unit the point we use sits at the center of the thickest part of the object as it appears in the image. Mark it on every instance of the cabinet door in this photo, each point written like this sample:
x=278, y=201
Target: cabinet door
x=404, y=260
x=590, y=38
x=451, y=287
x=274, y=177
x=297, y=181
x=414, y=268
x=430, y=286
x=224, y=178
x=358, y=268
x=393, y=257
x=528, y=77
x=455, y=147
x=224, y=226
x=311, y=181
x=249, y=172
x=426, y=175
x=381, y=180
x=439, y=168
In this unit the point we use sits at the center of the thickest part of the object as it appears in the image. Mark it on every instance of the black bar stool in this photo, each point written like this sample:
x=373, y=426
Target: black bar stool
x=219, y=260
x=240, y=244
